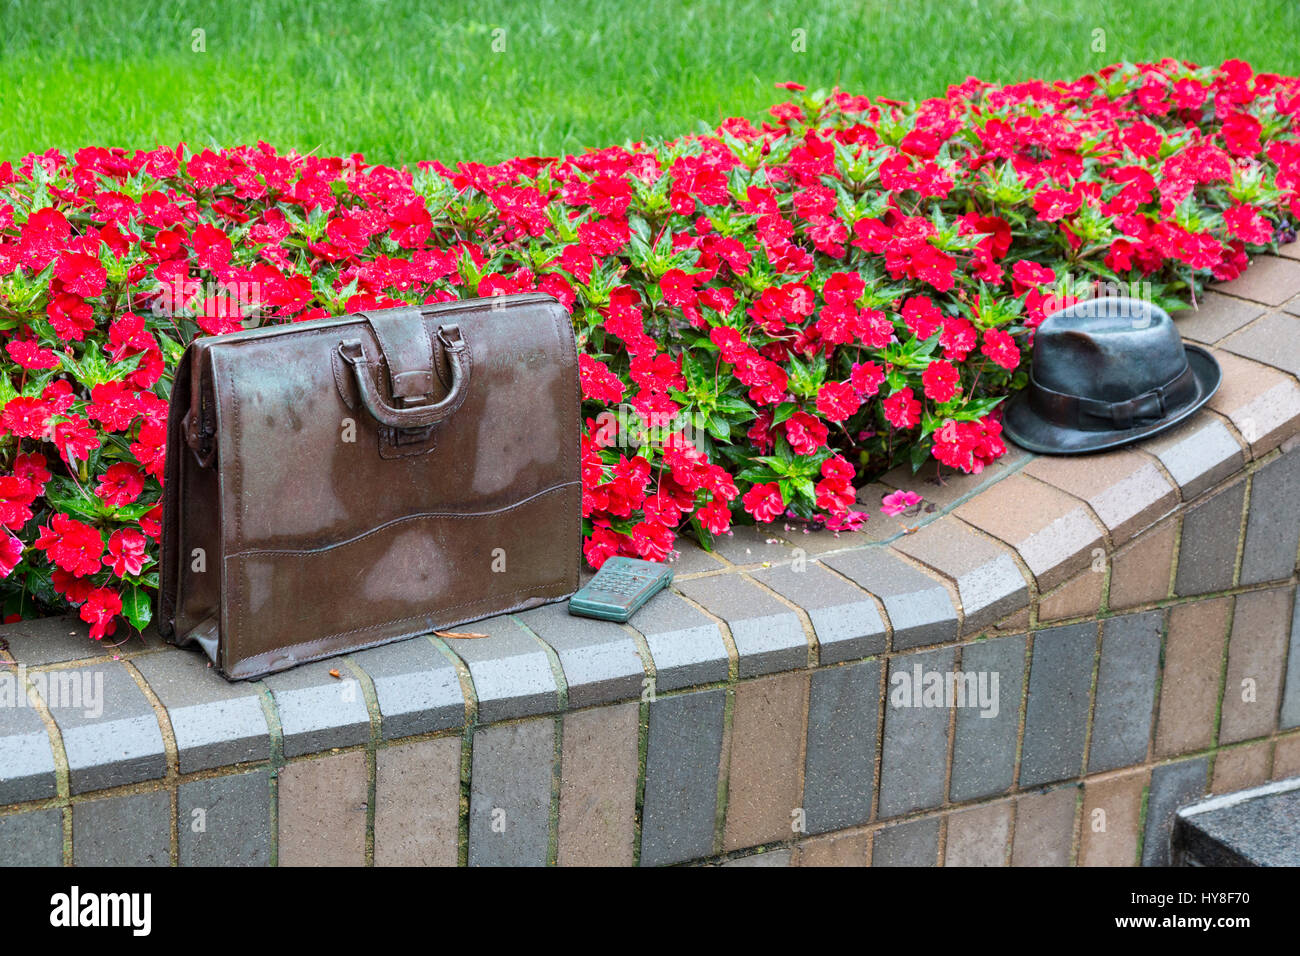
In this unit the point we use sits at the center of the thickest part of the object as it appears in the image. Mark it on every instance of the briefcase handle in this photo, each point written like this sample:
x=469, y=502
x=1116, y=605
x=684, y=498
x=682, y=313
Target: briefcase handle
x=419, y=416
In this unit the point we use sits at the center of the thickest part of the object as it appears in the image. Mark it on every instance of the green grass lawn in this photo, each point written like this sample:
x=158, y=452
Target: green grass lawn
x=400, y=80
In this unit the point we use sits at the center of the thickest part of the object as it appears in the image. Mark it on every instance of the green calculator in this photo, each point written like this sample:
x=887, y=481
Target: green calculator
x=619, y=588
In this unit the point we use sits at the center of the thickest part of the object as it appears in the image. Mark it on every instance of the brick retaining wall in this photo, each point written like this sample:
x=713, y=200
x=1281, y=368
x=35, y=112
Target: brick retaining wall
x=1137, y=608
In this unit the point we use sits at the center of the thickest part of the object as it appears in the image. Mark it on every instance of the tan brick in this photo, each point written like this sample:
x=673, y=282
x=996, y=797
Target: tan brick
x=1237, y=768
x=1016, y=623
x=1140, y=573
x=1252, y=688
x=1053, y=532
x=767, y=736
x=979, y=836
x=1262, y=403
x=598, y=786
x=1286, y=758
x=323, y=811
x=1078, y=597
x=1125, y=489
x=1190, y=689
x=1291, y=250
x=417, y=803
x=1112, y=810
x=1044, y=828
x=1269, y=279
x=850, y=848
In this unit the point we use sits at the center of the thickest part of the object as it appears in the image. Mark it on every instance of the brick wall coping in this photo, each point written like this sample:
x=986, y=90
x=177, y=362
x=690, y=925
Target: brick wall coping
x=1000, y=552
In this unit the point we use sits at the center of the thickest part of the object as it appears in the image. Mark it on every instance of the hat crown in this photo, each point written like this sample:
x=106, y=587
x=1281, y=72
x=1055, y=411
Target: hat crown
x=1109, y=349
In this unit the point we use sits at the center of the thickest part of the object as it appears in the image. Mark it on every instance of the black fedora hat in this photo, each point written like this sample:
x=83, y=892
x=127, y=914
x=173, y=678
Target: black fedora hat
x=1107, y=372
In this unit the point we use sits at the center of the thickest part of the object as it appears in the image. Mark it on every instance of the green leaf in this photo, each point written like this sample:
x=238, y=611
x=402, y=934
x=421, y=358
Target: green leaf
x=136, y=607
x=784, y=411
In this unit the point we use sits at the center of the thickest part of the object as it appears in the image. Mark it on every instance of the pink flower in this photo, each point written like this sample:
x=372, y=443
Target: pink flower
x=899, y=501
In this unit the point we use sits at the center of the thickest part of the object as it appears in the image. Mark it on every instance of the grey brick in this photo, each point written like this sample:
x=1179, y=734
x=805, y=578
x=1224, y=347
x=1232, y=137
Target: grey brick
x=121, y=744
x=133, y=830
x=26, y=761
x=1197, y=454
x=915, y=748
x=510, y=795
x=511, y=672
x=54, y=640
x=907, y=844
x=769, y=858
x=919, y=607
x=1273, y=527
x=846, y=622
x=988, y=579
x=317, y=711
x=685, y=645
x=34, y=838
x=767, y=634
x=1056, y=715
x=1126, y=690
x=234, y=825
x=747, y=544
x=839, y=769
x=1172, y=785
x=1289, y=716
x=599, y=659
x=1273, y=340
x=984, y=750
x=690, y=558
x=1207, y=554
x=681, y=777
x=417, y=688
x=1217, y=315
x=215, y=722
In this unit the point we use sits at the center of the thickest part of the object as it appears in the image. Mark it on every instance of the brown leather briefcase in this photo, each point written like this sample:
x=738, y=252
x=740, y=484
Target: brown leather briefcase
x=336, y=484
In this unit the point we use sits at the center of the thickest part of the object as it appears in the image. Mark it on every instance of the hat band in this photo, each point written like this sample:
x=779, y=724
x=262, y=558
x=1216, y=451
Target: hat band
x=1089, y=414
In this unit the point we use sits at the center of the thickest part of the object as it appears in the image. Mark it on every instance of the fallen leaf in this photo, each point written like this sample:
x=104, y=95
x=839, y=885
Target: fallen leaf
x=334, y=674
x=459, y=635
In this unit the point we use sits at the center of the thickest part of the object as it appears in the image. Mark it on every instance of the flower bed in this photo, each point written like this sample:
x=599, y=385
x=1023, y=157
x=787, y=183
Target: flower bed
x=786, y=308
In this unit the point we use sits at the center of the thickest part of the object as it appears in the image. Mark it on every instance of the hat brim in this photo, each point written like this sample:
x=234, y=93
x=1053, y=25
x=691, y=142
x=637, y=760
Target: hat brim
x=1023, y=426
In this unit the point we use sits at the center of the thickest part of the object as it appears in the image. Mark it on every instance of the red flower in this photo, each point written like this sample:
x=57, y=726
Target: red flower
x=1246, y=223
x=11, y=552
x=837, y=400
x=16, y=497
x=1054, y=204
x=902, y=410
x=805, y=433
x=126, y=552
x=32, y=356
x=42, y=238
x=71, y=545
x=921, y=316
x=120, y=485
x=100, y=611
x=26, y=417
x=764, y=502
x=866, y=378
x=81, y=274
x=941, y=380
x=114, y=405
x=1241, y=133
x=598, y=382
x=1001, y=348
